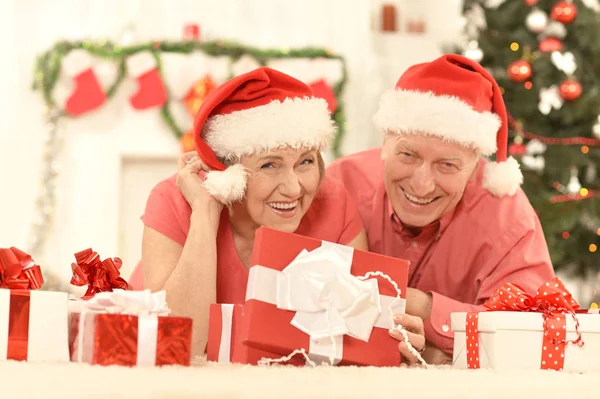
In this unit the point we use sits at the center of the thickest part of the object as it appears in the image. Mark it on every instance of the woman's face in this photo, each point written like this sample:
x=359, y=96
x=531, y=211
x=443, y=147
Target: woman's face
x=281, y=186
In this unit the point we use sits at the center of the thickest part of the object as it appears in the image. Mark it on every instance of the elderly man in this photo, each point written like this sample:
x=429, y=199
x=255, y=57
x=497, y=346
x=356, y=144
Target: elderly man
x=429, y=196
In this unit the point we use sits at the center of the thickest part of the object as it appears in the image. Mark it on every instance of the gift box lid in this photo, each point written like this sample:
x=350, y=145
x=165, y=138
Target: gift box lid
x=492, y=321
x=278, y=257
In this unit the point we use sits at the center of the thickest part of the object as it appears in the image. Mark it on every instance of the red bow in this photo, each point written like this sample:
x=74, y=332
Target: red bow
x=100, y=276
x=18, y=270
x=551, y=298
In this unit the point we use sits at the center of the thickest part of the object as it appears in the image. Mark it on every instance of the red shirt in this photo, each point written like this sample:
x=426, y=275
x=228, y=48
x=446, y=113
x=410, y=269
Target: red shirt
x=465, y=256
x=332, y=217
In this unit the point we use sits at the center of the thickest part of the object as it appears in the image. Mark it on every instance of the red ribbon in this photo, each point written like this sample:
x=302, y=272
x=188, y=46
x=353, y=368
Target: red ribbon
x=552, y=299
x=100, y=276
x=18, y=270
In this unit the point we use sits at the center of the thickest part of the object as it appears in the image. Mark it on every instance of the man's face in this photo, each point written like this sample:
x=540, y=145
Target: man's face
x=425, y=177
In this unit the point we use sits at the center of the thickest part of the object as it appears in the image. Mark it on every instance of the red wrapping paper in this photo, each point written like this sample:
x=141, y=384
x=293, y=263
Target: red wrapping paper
x=112, y=339
x=552, y=299
x=19, y=274
x=18, y=325
x=267, y=328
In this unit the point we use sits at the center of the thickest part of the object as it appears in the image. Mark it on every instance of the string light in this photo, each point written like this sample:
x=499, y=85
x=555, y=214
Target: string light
x=528, y=85
x=551, y=141
x=585, y=149
x=584, y=192
x=514, y=46
x=570, y=197
x=566, y=235
x=593, y=248
x=598, y=231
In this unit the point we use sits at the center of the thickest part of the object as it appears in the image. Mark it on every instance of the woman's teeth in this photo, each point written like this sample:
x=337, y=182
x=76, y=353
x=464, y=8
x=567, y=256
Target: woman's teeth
x=283, y=205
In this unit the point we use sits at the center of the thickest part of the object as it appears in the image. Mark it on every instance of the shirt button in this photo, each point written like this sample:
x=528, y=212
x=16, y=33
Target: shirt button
x=445, y=328
x=414, y=244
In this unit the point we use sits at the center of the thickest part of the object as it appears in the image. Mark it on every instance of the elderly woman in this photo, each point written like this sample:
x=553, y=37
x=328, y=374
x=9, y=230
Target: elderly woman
x=257, y=163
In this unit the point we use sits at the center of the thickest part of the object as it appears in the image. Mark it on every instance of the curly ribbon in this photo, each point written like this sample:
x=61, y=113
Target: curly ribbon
x=18, y=270
x=100, y=276
x=552, y=299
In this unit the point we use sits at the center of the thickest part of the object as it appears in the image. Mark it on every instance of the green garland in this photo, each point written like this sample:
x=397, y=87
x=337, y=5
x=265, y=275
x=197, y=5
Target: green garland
x=48, y=65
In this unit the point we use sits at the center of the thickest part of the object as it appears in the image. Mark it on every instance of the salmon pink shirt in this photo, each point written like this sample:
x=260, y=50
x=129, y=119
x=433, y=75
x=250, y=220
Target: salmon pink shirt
x=332, y=217
x=462, y=258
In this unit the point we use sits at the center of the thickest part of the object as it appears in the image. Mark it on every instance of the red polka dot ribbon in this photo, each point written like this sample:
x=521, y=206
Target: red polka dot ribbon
x=552, y=299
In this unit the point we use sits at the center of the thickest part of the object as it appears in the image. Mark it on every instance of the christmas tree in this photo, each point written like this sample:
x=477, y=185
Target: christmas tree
x=545, y=55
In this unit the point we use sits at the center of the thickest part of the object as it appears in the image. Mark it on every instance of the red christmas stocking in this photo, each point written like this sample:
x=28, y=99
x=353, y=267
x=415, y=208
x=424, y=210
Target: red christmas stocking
x=151, y=88
x=322, y=90
x=88, y=94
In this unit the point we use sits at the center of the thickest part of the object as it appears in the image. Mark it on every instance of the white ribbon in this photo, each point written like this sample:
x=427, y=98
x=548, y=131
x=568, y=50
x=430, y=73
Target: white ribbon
x=226, y=329
x=328, y=300
x=132, y=303
x=147, y=306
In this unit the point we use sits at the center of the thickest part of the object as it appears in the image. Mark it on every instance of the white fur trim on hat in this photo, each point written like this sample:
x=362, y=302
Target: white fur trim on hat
x=447, y=117
x=502, y=178
x=227, y=186
x=76, y=62
x=140, y=63
x=292, y=123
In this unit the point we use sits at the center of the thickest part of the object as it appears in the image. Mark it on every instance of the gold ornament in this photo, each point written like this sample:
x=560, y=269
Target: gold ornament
x=198, y=93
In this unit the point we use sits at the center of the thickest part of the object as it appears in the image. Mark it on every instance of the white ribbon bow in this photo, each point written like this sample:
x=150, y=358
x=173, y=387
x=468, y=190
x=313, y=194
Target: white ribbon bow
x=327, y=299
x=135, y=303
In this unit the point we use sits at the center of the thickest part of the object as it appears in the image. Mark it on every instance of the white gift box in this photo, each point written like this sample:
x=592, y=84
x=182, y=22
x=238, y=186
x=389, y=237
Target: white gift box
x=41, y=320
x=514, y=340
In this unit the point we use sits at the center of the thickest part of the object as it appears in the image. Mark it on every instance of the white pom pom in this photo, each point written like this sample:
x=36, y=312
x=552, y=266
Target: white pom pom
x=502, y=178
x=227, y=186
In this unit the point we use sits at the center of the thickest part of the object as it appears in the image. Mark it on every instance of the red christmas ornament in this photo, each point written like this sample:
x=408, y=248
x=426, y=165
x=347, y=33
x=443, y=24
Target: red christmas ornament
x=550, y=44
x=519, y=71
x=531, y=3
x=570, y=90
x=564, y=12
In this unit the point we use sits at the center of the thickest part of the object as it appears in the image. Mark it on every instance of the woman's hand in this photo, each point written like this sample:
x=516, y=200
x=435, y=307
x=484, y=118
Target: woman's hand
x=190, y=182
x=416, y=336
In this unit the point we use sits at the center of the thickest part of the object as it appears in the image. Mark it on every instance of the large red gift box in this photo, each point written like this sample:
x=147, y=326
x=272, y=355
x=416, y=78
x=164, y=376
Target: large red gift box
x=302, y=295
x=225, y=337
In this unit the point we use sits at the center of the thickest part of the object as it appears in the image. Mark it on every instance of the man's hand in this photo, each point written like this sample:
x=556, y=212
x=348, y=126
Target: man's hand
x=418, y=303
x=416, y=337
x=433, y=355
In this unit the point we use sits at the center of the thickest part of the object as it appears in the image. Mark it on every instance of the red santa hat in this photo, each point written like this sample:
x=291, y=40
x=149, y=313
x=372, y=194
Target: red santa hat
x=456, y=99
x=258, y=111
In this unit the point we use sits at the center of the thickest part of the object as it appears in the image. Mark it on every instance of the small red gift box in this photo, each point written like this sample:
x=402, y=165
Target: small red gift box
x=126, y=328
x=328, y=300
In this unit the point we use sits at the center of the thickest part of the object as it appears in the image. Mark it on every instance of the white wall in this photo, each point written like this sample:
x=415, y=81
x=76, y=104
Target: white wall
x=90, y=163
